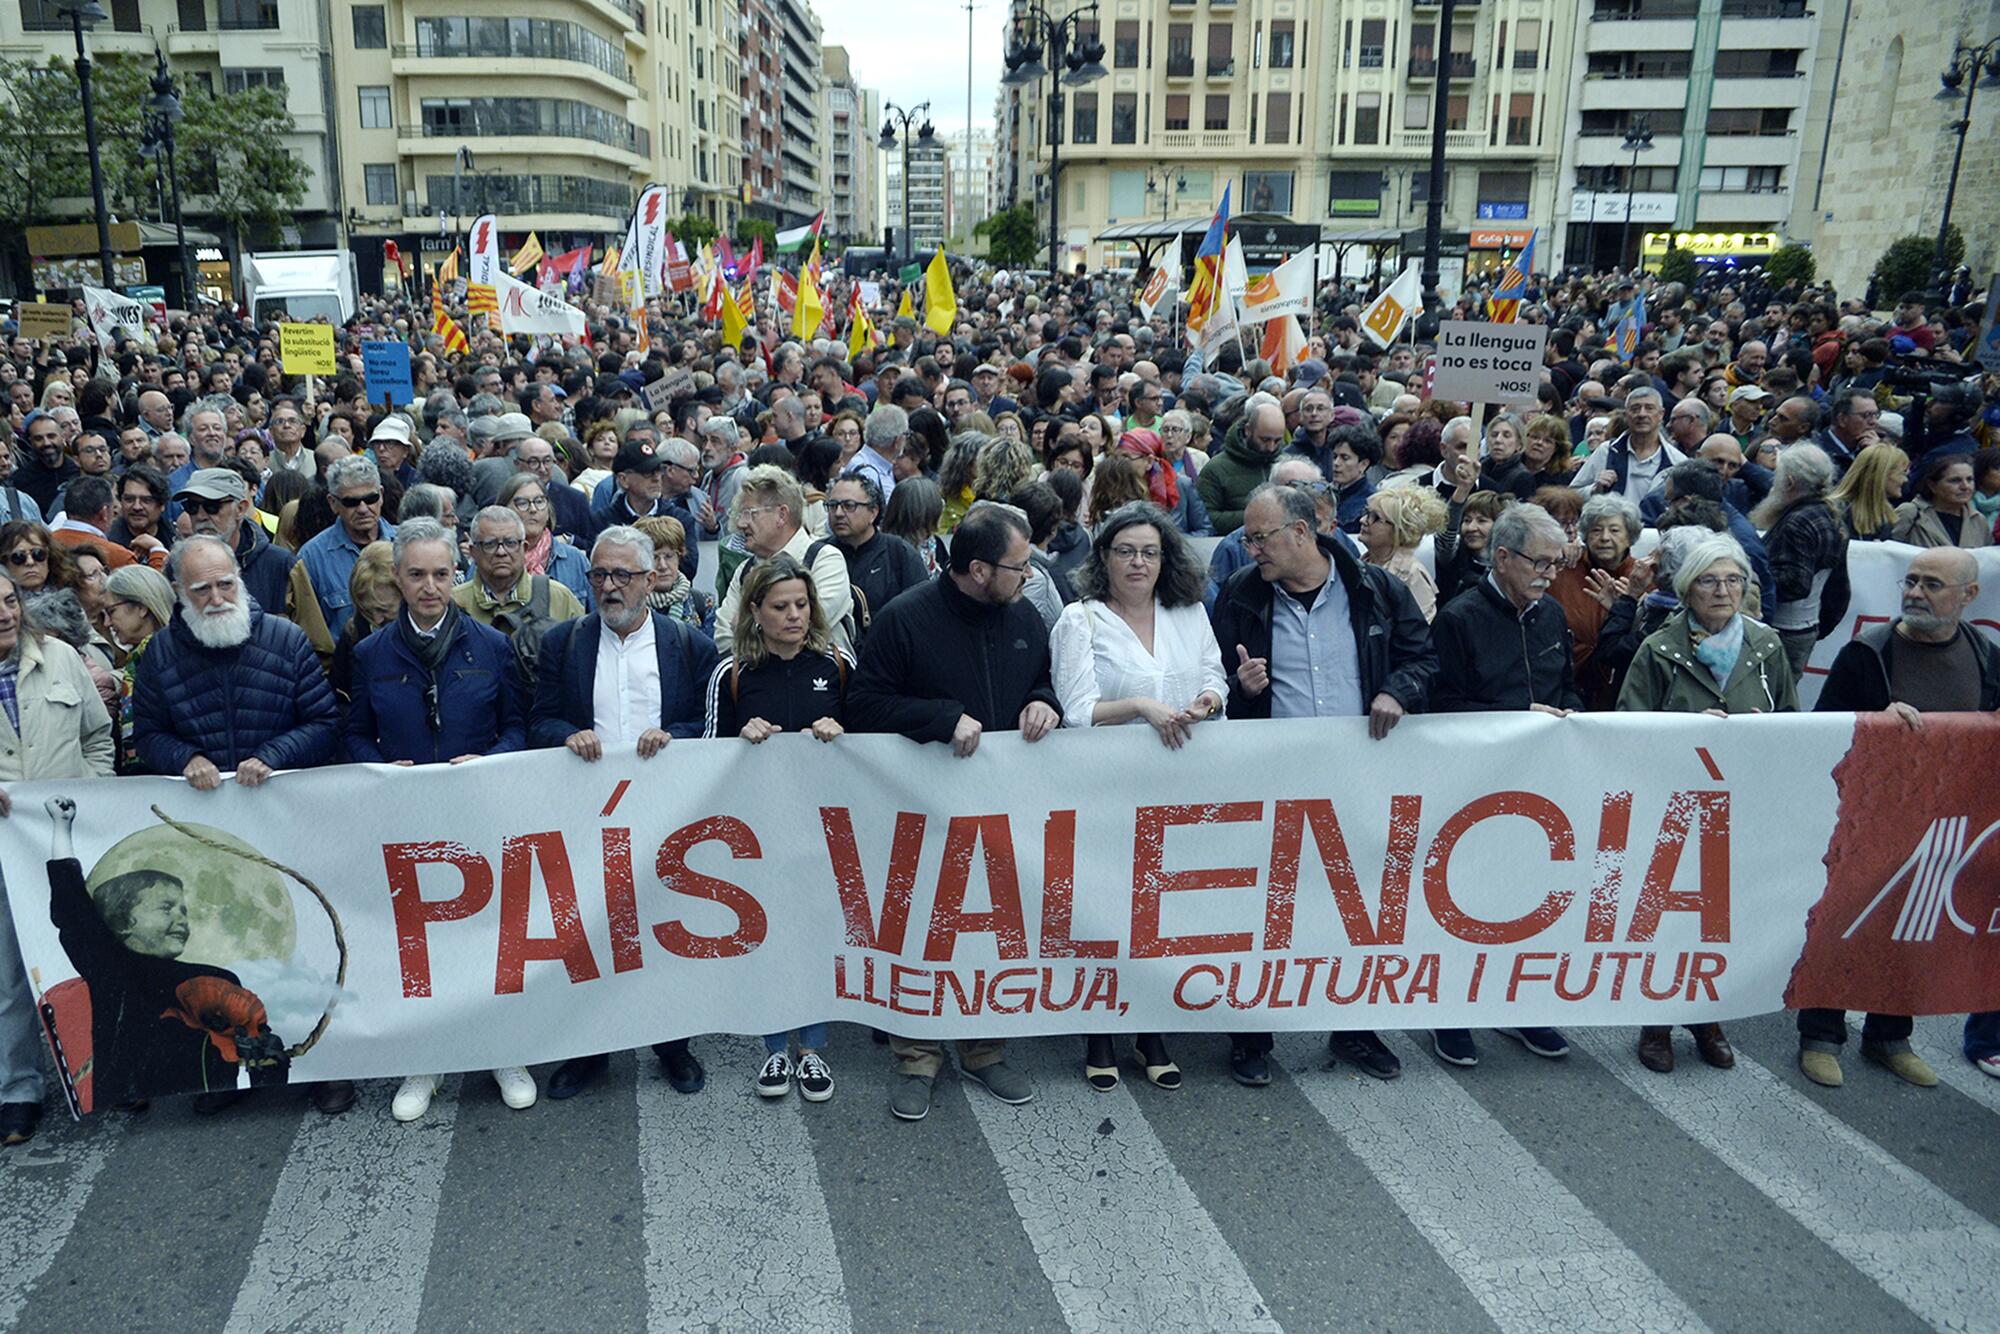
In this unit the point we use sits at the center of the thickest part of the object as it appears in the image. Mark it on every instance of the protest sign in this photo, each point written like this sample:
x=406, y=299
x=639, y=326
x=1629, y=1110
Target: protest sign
x=42, y=321
x=306, y=349
x=1478, y=362
x=1500, y=870
x=1875, y=573
x=871, y=294
x=113, y=315
x=667, y=388
x=386, y=367
x=525, y=309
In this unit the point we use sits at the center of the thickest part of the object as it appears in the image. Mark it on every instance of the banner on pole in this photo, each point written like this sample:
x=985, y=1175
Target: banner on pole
x=1481, y=362
x=1498, y=870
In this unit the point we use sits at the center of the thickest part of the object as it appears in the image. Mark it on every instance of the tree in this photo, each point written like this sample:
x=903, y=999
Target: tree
x=751, y=230
x=692, y=230
x=1906, y=265
x=1011, y=239
x=41, y=155
x=1678, y=266
x=1790, y=263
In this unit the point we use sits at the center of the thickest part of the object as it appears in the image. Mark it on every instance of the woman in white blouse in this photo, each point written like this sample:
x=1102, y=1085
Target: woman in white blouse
x=1136, y=647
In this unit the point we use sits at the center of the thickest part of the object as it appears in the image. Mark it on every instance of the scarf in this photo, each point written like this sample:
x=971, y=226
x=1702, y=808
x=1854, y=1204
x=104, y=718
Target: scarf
x=537, y=552
x=1987, y=505
x=1160, y=484
x=430, y=652
x=668, y=600
x=1718, y=652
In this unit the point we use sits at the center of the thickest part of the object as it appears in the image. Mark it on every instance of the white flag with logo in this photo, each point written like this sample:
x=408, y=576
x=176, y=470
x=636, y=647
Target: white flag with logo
x=1285, y=290
x=113, y=315
x=1235, y=273
x=1164, y=285
x=525, y=309
x=1384, y=318
x=484, y=250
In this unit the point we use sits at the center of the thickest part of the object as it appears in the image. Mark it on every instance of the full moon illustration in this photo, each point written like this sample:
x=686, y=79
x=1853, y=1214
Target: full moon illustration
x=237, y=908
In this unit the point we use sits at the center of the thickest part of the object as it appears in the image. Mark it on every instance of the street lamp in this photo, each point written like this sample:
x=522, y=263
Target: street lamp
x=925, y=133
x=163, y=113
x=1638, y=139
x=83, y=14
x=1166, y=187
x=1966, y=62
x=1062, y=40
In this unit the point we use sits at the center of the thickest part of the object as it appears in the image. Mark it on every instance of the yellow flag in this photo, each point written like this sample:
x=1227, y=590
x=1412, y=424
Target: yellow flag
x=903, y=307
x=734, y=322
x=529, y=255
x=860, y=330
x=808, y=310
x=940, y=302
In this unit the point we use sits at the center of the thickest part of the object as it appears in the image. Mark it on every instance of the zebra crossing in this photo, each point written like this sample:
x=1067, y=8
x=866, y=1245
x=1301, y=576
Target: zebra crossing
x=1524, y=1195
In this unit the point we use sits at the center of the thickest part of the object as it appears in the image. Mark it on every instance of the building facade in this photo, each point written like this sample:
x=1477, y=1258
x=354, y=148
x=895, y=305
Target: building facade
x=926, y=217
x=784, y=154
x=1722, y=86
x=969, y=183
x=852, y=116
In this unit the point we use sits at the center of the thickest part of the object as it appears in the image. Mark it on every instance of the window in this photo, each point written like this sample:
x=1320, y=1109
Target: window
x=375, y=112
x=1267, y=191
x=1128, y=194
x=1180, y=50
x=1504, y=195
x=1455, y=111
x=1125, y=118
x=1354, y=193
x=1282, y=44
x=1749, y=120
x=1417, y=111
x=41, y=16
x=193, y=15
x=378, y=181
x=1125, y=44
x=1215, y=112
x=1665, y=120
x=1420, y=188
x=371, y=29
x=1423, y=43
x=1372, y=33
x=238, y=80
x=1278, y=118
x=1756, y=180
x=241, y=14
x=1083, y=118
x=1521, y=119
x=1368, y=118
x=1527, y=43
x=1177, y=111
x=1221, y=46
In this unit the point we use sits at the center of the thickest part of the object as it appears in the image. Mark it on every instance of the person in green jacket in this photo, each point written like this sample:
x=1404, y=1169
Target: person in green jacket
x=1708, y=658
x=1241, y=466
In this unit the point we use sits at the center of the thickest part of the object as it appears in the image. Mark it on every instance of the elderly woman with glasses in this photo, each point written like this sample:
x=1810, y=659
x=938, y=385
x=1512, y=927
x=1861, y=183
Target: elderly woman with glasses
x=542, y=551
x=1708, y=658
x=1136, y=647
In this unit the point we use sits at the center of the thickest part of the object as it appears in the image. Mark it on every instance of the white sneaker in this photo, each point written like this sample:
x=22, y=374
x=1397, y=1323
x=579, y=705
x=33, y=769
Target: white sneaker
x=413, y=1099
x=517, y=1087
x=775, y=1079
x=815, y=1079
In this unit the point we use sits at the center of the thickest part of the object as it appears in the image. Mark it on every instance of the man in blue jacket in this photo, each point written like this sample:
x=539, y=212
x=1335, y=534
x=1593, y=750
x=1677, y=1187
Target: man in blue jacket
x=622, y=676
x=227, y=687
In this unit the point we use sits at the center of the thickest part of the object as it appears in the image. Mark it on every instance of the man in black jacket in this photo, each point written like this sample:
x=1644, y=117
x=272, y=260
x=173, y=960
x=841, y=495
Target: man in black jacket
x=1285, y=622
x=879, y=565
x=1501, y=644
x=946, y=662
x=1927, y=661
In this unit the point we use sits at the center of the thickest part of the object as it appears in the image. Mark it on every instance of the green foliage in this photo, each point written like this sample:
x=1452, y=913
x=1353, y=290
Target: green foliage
x=692, y=230
x=1011, y=239
x=1790, y=263
x=41, y=155
x=750, y=230
x=1906, y=265
x=1678, y=266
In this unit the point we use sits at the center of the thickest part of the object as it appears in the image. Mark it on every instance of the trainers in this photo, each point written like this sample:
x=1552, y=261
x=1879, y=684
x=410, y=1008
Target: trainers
x=910, y=1099
x=1004, y=1082
x=517, y=1087
x=1821, y=1067
x=413, y=1099
x=1546, y=1043
x=1454, y=1046
x=815, y=1079
x=1901, y=1062
x=775, y=1079
x=1989, y=1065
x=1251, y=1069
x=1365, y=1052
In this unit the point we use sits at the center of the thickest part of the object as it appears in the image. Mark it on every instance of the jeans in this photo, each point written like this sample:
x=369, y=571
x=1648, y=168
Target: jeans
x=1798, y=648
x=20, y=1029
x=812, y=1037
x=1826, y=1030
x=1982, y=1035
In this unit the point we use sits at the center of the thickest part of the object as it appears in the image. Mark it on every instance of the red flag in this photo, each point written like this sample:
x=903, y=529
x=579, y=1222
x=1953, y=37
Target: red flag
x=394, y=254
x=787, y=288
x=756, y=261
x=725, y=254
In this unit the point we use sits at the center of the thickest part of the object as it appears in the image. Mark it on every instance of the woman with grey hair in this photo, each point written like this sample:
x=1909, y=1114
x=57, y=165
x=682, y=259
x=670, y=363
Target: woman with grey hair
x=1609, y=525
x=1136, y=647
x=1708, y=658
x=1807, y=546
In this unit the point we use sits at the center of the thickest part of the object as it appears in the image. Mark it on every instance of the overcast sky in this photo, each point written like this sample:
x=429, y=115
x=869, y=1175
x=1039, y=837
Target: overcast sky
x=910, y=51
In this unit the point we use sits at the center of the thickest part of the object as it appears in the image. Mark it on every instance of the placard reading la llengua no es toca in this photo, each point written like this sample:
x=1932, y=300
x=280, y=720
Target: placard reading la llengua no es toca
x=1479, y=362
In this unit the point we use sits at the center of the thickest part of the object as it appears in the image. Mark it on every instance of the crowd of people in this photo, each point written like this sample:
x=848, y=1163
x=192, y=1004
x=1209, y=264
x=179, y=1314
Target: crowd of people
x=1057, y=514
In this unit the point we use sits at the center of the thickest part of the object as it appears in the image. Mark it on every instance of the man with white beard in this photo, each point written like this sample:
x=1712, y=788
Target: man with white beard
x=225, y=688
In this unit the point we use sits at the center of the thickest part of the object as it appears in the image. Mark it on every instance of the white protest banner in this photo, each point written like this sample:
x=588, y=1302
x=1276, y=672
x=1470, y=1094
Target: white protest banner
x=484, y=251
x=113, y=315
x=1490, y=870
x=871, y=294
x=1285, y=290
x=525, y=309
x=1875, y=573
x=1478, y=362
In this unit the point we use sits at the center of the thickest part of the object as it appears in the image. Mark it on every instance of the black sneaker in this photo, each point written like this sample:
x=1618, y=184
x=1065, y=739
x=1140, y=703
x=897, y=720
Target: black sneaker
x=815, y=1079
x=775, y=1079
x=1251, y=1069
x=1366, y=1052
x=18, y=1121
x=1454, y=1046
x=1546, y=1043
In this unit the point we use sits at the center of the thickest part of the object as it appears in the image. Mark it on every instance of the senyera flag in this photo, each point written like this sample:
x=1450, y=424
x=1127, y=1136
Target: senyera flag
x=1205, y=289
x=1498, y=870
x=1512, y=287
x=1631, y=327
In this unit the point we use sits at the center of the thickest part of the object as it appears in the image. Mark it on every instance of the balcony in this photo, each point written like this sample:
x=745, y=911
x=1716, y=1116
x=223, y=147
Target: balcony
x=1423, y=67
x=1462, y=66
x=1193, y=140
x=1455, y=141
x=1762, y=209
x=1180, y=67
x=1223, y=67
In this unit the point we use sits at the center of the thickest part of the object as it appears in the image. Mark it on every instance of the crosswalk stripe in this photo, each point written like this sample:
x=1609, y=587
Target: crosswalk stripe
x=351, y=1220
x=1530, y=1252
x=737, y=1230
x=1940, y=1039
x=44, y=1186
x=1924, y=1248
x=1123, y=1240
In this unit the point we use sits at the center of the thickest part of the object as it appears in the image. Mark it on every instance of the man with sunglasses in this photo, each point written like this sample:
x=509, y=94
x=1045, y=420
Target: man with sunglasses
x=1504, y=645
x=217, y=503
x=320, y=600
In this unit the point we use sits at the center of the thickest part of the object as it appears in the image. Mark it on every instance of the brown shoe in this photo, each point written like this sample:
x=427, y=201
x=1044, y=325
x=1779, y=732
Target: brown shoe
x=1656, y=1049
x=1712, y=1046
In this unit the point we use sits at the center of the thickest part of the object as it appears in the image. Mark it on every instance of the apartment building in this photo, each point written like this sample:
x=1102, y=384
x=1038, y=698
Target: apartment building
x=926, y=220
x=782, y=77
x=1722, y=87
x=853, y=114
x=969, y=182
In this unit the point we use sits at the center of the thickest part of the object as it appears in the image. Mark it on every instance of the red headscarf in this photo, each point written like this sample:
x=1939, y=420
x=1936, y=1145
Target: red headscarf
x=1141, y=443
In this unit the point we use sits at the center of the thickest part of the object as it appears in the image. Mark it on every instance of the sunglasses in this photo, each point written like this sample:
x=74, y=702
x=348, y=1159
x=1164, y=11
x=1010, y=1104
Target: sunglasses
x=353, y=502
x=28, y=556
x=203, y=505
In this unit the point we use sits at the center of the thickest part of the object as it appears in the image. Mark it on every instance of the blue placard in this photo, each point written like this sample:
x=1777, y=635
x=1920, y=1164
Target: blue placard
x=386, y=367
x=1503, y=212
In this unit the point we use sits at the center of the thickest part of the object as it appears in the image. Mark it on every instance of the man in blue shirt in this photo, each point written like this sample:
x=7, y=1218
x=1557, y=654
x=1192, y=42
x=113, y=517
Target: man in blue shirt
x=328, y=559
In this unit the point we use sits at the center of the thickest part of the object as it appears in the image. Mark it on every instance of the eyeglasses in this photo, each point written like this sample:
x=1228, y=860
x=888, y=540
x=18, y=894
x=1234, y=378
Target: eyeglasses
x=759, y=509
x=530, y=504
x=1545, y=566
x=355, y=502
x=1125, y=551
x=203, y=505
x=842, y=506
x=28, y=556
x=1717, y=583
x=617, y=578
x=1023, y=570
x=1370, y=516
x=1912, y=582
x=493, y=544
x=1258, y=541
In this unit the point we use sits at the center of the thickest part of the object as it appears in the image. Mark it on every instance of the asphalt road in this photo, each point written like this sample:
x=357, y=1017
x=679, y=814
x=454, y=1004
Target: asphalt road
x=1586, y=1194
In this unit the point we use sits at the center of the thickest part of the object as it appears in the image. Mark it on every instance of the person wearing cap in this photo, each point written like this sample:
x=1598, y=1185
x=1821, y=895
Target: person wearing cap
x=986, y=384
x=218, y=504
x=389, y=444
x=1746, y=413
x=494, y=449
x=320, y=601
x=635, y=475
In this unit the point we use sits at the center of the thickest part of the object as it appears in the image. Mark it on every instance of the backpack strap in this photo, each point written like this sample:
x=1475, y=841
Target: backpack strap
x=538, y=596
